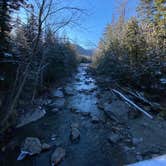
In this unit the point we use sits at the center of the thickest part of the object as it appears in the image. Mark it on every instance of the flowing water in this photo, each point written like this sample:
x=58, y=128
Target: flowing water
x=93, y=147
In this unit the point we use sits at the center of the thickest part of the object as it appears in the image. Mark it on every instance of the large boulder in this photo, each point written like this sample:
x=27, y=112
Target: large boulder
x=58, y=155
x=32, y=146
x=31, y=116
x=117, y=111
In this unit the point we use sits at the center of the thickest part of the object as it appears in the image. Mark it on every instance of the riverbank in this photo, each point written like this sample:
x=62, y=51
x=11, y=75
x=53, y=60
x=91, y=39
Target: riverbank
x=92, y=125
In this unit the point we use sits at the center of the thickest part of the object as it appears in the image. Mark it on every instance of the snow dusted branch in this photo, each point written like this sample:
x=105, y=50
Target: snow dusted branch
x=132, y=103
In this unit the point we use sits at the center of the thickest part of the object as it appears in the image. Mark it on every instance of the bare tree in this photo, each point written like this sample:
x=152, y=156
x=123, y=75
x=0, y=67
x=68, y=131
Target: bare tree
x=44, y=11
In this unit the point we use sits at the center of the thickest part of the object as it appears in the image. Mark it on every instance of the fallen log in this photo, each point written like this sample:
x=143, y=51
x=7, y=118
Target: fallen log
x=132, y=103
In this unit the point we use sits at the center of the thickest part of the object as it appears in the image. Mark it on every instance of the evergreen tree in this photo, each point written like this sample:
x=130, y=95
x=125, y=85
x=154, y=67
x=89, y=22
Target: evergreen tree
x=134, y=42
x=6, y=7
x=146, y=10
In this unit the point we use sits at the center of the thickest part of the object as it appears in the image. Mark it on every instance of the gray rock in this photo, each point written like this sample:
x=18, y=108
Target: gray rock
x=58, y=155
x=58, y=93
x=139, y=157
x=95, y=119
x=45, y=146
x=58, y=103
x=32, y=145
x=100, y=106
x=75, y=125
x=137, y=141
x=85, y=113
x=55, y=110
x=69, y=91
x=53, y=137
x=31, y=116
x=134, y=114
x=117, y=111
x=114, y=138
x=73, y=110
x=75, y=133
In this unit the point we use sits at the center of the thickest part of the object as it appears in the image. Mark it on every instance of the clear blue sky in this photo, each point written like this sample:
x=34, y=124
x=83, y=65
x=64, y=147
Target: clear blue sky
x=92, y=25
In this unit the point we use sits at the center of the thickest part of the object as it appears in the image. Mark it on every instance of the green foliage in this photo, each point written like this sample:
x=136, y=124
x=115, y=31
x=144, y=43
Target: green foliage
x=60, y=57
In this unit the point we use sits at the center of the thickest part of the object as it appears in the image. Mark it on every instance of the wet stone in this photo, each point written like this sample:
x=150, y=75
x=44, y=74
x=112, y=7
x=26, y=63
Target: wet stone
x=53, y=137
x=95, y=119
x=69, y=91
x=134, y=114
x=58, y=155
x=139, y=157
x=55, y=110
x=32, y=145
x=74, y=110
x=45, y=146
x=58, y=93
x=114, y=138
x=85, y=113
x=75, y=133
x=58, y=103
x=137, y=141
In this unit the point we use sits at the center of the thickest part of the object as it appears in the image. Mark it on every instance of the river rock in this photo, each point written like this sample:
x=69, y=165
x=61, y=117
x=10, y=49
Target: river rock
x=95, y=119
x=139, y=157
x=58, y=155
x=58, y=103
x=114, y=138
x=74, y=110
x=100, y=106
x=137, y=141
x=31, y=116
x=117, y=111
x=69, y=91
x=85, y=113
x=134, y=114
x=75, y=133
x=55, y=110
x=45, y=146
x=75, y=125
x=32, y=145
x=58, y=93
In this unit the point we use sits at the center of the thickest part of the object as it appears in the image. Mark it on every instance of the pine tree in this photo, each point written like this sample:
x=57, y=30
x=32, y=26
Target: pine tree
x=146, y=10
x=134, y=42
x=6, y=8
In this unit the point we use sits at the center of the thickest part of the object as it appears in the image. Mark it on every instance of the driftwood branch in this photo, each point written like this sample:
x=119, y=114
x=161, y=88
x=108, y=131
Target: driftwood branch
x=132, y=103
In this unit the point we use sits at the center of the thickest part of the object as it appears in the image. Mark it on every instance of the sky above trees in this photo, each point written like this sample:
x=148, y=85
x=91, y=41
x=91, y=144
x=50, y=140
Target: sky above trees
x=98, y=13
x=92, y=24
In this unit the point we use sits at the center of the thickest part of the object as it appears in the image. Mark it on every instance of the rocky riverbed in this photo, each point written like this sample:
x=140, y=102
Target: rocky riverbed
x=86, y=125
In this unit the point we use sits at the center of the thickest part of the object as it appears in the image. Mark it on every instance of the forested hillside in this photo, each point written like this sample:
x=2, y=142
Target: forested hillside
x=133, y=52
